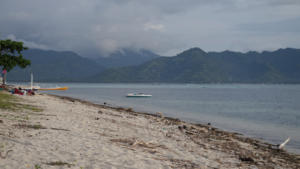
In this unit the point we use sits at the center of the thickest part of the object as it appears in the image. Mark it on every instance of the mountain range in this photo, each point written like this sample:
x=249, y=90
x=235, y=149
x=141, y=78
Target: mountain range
x=67, y=66
x=197, y=66
x=53, y=66
x=191, y=66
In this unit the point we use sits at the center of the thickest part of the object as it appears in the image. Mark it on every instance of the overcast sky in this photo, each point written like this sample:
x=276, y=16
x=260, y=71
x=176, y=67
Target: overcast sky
x=94, y=27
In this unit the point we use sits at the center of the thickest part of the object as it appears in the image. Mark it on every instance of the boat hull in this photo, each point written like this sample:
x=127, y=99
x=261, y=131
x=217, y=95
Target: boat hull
x=57, y=88
x=138, y=95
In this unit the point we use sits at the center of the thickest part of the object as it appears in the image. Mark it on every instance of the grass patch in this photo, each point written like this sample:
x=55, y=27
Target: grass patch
x=37, y=166
x=59, y=163
x=15, y=117
x=7, y=101
x=30, y=107
x=10, y=102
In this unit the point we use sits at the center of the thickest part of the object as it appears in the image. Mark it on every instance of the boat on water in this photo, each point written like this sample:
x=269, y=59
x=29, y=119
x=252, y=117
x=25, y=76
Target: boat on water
x=36, y=88
x=138, y=95
x=56, y=88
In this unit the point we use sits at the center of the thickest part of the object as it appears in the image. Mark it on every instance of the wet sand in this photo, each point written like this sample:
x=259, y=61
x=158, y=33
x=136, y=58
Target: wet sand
x=71, y=133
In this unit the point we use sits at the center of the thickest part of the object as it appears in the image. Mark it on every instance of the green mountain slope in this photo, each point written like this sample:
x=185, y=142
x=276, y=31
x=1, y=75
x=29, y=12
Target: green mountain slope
x=55, y=66
x=126, y=57
x=197, y=66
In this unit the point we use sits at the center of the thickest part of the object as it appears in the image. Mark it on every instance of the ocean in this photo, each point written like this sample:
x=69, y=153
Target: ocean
x=267, y=112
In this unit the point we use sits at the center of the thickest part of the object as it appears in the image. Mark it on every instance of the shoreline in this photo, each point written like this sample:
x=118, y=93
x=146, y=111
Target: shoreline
x=79, y=133
x=256, y=142
x=157, y=115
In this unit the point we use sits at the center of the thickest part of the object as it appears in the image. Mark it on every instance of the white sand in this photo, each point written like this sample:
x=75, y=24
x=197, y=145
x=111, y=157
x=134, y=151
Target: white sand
x=91, y=137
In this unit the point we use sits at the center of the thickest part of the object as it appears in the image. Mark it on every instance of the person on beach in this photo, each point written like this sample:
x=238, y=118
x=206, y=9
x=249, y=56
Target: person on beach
x=4, y=72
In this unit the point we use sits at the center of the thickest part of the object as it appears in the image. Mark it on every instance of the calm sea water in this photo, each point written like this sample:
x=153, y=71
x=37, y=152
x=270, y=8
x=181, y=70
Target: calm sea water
x=267, y=112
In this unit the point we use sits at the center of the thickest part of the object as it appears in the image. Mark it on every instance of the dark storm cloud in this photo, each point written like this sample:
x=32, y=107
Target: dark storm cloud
x=91, y=27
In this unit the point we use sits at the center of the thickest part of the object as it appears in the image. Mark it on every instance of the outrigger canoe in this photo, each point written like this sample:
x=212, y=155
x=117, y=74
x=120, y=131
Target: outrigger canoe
x=57, y=88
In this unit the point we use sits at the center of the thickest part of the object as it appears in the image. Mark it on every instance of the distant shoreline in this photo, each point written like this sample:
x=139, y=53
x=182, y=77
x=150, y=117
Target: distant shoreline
x=157, y=83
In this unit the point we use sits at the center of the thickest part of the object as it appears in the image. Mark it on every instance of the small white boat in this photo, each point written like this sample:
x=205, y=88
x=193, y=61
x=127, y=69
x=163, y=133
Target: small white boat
x=138, y=95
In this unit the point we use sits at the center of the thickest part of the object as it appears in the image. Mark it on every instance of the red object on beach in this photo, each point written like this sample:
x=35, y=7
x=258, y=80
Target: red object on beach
x=17, y=91
x=4, y=71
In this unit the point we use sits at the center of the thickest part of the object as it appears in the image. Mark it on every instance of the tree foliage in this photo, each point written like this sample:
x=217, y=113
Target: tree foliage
x=11, y=56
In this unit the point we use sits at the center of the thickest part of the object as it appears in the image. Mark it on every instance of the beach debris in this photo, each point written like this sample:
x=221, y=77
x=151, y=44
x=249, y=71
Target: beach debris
x=169, y=134
x=4, y=156
x=100, y=112
x=59, y=129
x=180, y=127
x=137, y=143
x=172, y=121
x=120, y=109
x=59, y=163
x=124, y=141
x=1, y=121
x=246, y=159
x=189, y=133
x=32, y=126
x=116, y=115
x=141, y=143
x=179, y=163
x=97, y=118
x=284, y=143
x=160, y=114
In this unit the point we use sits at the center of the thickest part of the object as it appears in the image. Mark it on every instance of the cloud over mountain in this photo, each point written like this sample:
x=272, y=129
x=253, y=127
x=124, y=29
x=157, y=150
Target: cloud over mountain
x=94, y=27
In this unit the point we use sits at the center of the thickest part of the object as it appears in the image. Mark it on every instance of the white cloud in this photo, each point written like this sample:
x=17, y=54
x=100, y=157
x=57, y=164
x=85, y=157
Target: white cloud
x=155, y=27
x=28, y=44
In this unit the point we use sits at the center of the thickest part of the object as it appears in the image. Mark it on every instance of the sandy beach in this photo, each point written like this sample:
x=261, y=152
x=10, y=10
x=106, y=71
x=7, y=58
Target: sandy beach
x=63, y=132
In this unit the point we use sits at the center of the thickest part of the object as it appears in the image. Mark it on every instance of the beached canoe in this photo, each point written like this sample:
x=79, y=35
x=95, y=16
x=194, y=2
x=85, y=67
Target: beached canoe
x=57, y=88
